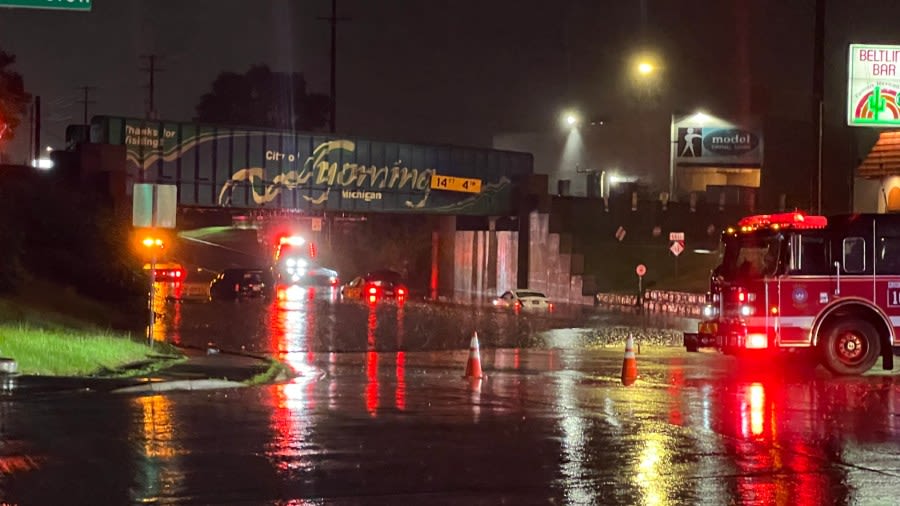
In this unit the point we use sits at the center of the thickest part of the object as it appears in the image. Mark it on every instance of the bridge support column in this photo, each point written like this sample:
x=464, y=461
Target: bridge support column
x=491, y=272
x=523, y=266
x=443, y=257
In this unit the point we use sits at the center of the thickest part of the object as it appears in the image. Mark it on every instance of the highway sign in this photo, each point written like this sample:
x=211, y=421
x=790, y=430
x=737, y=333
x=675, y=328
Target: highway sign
x=154, y=205
x=677, y=247
x=455, y=184
x=676, y=236
x=62, y=5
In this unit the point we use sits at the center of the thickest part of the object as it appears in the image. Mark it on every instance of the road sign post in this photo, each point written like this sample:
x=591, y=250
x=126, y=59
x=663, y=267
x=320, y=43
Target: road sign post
x=154, y=206
x=677, y=247
x=640, y=270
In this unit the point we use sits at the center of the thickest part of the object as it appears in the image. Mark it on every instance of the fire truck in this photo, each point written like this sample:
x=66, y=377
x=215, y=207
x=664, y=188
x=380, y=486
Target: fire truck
x=797, y=282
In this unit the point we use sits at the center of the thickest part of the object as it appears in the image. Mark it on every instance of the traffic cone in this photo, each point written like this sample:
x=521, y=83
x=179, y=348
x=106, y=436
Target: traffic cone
x=473, y=365
x=629, y=365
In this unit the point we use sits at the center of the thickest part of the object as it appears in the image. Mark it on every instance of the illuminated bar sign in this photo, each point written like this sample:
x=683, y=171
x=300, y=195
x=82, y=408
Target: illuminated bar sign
x=873, y=85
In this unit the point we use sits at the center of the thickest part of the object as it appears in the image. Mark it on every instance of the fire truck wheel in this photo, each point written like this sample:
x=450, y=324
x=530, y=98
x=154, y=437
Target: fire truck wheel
x=850, y=347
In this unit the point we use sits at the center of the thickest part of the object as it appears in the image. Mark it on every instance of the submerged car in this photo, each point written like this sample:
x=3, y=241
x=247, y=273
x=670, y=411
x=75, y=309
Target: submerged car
x=523, y=299
x=376, y=285
x=167, y=272
x=233, y=284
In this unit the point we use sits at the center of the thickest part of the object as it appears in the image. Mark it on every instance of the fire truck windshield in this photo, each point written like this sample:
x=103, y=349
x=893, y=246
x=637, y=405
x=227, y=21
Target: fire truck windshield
x=752, y=255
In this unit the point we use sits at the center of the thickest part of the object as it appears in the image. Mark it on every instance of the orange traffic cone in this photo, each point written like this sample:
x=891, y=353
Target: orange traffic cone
x=473, y=366
x=629, y=365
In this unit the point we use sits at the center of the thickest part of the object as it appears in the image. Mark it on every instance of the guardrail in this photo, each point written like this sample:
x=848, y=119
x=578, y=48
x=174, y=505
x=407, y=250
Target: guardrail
x=658, y=301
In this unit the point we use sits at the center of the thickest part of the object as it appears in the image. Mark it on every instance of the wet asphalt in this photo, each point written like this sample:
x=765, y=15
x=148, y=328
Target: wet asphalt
x=380, y=414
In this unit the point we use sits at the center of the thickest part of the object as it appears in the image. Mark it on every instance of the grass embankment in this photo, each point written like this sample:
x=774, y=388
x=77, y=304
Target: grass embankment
x=74, y=353
x=50, y=330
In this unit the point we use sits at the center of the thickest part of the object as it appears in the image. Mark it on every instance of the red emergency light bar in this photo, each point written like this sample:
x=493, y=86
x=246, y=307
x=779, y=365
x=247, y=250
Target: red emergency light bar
x=783, y=220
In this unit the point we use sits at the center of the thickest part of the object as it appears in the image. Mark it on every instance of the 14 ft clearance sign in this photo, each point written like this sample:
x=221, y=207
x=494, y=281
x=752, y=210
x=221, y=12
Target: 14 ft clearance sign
x=874, y=83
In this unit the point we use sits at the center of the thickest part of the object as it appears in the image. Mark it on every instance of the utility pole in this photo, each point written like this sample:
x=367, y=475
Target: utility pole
x=819, y=94
x=86, y=100
x=151, y=69
x=36, y=153
x=333, y=20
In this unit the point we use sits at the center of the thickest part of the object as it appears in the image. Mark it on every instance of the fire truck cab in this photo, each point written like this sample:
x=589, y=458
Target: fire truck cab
x=789, y=282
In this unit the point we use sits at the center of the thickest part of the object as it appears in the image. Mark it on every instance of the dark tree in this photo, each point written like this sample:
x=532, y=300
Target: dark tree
x=263, y=98
x=13, y=99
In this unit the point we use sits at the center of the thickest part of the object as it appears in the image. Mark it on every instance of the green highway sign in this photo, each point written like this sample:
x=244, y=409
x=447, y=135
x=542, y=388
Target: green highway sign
x=62, y=5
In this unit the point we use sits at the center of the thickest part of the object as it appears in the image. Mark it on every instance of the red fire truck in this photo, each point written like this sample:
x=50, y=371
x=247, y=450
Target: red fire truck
x=793, y=282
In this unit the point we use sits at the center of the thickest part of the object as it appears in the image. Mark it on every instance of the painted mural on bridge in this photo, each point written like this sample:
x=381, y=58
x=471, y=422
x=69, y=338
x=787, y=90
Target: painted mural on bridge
x=216, y=166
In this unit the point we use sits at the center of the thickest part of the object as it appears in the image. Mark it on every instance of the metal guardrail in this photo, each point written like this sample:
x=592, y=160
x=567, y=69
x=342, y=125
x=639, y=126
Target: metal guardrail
x=659, y=301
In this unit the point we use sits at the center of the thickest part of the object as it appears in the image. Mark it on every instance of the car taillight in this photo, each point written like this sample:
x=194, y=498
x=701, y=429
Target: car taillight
x=401, y=292
x=373, y=290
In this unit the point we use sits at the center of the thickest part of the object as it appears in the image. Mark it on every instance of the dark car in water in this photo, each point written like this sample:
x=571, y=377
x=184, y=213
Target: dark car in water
x=233, y=284
x=376, y=285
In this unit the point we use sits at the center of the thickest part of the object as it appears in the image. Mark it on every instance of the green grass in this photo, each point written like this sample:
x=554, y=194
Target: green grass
x=57, y=352
x=277, y=371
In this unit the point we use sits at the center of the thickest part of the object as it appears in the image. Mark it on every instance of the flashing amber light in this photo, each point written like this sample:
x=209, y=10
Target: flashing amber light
x=774, y=310
x=742, y=296
x=151, y=242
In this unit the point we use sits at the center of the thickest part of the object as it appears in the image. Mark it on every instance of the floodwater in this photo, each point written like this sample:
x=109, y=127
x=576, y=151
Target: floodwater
x=380, y=414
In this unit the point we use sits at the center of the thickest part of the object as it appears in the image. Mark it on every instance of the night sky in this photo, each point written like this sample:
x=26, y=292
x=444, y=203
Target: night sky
x=461, y=71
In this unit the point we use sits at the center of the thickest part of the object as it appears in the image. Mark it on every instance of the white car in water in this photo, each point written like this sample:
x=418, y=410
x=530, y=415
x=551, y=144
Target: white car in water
x=524, y=299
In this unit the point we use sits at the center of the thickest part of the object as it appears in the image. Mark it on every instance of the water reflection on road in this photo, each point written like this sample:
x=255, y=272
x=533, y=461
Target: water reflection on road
x=379, y=414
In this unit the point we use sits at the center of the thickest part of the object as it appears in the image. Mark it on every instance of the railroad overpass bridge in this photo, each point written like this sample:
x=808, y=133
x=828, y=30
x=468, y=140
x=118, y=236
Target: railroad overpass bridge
x=479, y=201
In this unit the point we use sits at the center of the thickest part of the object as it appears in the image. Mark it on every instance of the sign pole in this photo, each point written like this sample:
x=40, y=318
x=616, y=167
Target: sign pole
x=152, y=302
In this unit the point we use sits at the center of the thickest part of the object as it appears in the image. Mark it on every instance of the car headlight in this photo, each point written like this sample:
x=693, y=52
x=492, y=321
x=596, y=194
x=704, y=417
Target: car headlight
x=710, y=311
x=290, y=262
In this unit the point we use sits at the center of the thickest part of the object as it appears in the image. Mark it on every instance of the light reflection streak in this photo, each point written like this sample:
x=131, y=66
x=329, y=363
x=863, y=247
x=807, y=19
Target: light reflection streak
x=159, y=470
x=372, y=382
x=400, y=393
x=292, y=330
x=654, y=455
x=574, y=442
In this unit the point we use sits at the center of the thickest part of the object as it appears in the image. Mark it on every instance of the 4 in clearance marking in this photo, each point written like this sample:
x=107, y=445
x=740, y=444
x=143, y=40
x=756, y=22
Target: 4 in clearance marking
x=455, y=184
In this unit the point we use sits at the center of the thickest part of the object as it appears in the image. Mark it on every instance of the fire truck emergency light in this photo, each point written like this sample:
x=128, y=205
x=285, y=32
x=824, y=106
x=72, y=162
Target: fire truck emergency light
x=783, y=220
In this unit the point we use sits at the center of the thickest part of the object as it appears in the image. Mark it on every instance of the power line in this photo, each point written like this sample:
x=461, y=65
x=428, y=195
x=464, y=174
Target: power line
x=333, y=20
x=86, y=90
x=151, y=69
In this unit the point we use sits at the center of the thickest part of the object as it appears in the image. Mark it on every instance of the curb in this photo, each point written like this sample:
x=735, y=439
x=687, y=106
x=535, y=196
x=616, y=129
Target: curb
x=179, y=385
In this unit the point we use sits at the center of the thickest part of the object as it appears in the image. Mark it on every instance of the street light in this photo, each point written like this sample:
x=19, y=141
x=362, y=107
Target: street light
x=571, y=119
x=645, y=68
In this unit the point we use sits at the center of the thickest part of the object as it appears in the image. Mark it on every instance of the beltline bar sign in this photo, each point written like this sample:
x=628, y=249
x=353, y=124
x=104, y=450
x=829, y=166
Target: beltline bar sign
x=455, y=184
x=874, y=85
x=60, y=5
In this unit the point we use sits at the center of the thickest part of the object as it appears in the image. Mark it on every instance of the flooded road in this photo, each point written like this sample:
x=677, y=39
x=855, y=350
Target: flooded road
x=380, y=414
